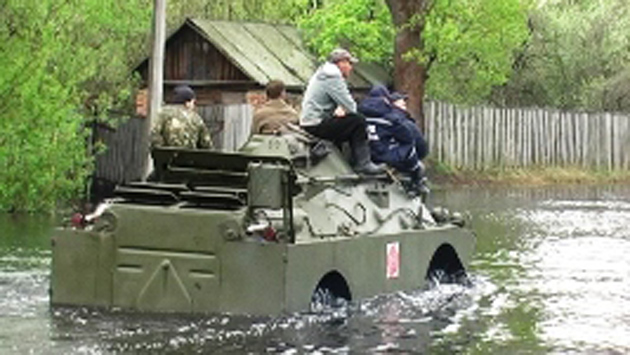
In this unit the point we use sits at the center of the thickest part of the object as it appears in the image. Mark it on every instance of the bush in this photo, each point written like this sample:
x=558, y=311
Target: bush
x=61, y=64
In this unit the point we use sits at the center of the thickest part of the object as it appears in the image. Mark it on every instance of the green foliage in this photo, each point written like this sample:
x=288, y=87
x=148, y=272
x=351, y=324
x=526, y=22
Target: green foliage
x=275, y=11
x=468, y=45
x=362, y=25
x=441, y=168
x=61, y=63
x=577, y=58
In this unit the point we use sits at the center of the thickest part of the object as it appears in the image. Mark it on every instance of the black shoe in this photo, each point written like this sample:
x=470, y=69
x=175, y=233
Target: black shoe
x=370, y=169
x=419, y=188
x=363, y=162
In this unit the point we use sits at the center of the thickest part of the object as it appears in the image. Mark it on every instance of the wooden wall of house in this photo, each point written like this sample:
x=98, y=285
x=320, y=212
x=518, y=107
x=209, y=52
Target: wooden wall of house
x=190, y=57
x=121, y=160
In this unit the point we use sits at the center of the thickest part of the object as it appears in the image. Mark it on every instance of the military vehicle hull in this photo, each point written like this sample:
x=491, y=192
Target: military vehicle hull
x=203, y=252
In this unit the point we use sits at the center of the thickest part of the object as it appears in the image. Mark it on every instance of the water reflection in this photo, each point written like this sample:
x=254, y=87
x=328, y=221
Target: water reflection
x=550, y=275
x=581, y=269
x=559, y=264
x=24, y=263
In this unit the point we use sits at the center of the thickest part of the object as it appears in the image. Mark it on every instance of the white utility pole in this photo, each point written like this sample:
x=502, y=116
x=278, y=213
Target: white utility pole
x=156, y=74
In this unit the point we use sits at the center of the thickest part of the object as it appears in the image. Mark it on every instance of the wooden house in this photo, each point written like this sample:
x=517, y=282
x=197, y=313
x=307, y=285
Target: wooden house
x=228, y=65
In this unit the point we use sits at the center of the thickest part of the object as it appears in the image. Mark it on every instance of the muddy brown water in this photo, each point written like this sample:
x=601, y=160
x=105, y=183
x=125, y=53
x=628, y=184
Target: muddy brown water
x=551, y=275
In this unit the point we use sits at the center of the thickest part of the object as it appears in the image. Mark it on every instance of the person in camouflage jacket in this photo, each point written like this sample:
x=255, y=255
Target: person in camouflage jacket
x=178, y=125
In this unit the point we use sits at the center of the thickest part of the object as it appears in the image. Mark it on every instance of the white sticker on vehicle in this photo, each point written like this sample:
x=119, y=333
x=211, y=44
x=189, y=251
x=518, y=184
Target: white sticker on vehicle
x=393, y=260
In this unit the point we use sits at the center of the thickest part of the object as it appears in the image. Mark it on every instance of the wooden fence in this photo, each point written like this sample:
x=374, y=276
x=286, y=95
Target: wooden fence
x=484, y=137
x=473, y=137
x=229, y=124
x=121, y=162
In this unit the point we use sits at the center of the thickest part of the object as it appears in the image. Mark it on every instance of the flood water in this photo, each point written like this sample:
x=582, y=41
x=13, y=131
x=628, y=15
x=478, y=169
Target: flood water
x=551, y=275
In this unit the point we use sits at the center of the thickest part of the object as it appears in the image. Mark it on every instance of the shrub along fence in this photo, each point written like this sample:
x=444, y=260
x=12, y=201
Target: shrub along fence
x=484, y=137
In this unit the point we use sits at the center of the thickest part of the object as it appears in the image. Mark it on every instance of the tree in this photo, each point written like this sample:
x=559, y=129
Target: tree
x=65, y=64
x=62, y=63
x=453, y=50
x=280, y=11
x=410, y=63
x=576, y=58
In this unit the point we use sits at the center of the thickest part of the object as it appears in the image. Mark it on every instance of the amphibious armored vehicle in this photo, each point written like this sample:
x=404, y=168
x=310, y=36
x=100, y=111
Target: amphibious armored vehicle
x=273, y=228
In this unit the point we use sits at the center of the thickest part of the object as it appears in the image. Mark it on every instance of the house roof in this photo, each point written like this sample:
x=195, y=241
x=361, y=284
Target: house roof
x=266, y=52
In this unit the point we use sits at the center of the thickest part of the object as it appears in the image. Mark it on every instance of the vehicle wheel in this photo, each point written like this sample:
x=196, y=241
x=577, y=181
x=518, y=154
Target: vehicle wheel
x=446, y=268
x=331, y=292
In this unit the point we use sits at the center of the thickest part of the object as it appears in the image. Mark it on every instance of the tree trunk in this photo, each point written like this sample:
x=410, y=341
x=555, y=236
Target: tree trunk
x=409, y=74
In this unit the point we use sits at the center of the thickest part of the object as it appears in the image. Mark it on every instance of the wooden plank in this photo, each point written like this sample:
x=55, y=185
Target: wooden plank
x=467, y=144
x=452, y=138
x=532, y=136
x=428, y=124
x=542, y=139
x=121, y=162
x=432, y=133
x=443, y=127
x=570, y=142
x=481, y=123
x=593, y=126
x=501, y=144
x=487, y=137
x=451, y=135
x=509, y=137
x=498, y=142
x=599, y=140
x=478, y=139
x=458, y=137
x=555, y=138
x=440, y=131
x=482, y=113
x=515, y=137
x=564, y=130
x=248, y=45
x=495, y=136
x=539, y=137
x=625, y=139
x=608, y=134
x=528, y=138
x=462, y=136
x=520, y=138
x=289, y=55
x=613, y=143
x=584, y=142
x=243, y=59
x=211, y=83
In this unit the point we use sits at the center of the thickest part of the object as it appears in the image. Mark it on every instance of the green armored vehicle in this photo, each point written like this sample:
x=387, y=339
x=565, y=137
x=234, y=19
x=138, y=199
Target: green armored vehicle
x=277, y=227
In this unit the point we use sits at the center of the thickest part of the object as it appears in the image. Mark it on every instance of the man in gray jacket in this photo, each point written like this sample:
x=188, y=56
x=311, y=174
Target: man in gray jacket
x=330, y=112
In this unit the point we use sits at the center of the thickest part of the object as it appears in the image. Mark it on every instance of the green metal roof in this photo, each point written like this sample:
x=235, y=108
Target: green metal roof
x=266, y=52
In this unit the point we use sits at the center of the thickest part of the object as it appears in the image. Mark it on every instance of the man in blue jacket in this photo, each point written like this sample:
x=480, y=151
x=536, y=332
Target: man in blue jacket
x=399, y=105
x=330, y=112
x=391, y=141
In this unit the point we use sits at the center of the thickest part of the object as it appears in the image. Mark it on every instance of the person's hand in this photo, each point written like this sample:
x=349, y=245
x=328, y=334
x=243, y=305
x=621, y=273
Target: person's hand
x=339, y=112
